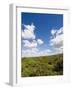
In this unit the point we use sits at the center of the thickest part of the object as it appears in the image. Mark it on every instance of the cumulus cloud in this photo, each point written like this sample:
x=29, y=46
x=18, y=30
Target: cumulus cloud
x=60, y=31
x=28, y=32
x=35, y=52
x=45, y=52
x=30, y=52
x=57, y=41
x=29, y=38
x=53, y=32
x=32, y=44
x=28, y=44
x=39, y=41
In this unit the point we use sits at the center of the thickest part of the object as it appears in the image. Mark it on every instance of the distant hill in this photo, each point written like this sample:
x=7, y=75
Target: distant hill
x=42, y=66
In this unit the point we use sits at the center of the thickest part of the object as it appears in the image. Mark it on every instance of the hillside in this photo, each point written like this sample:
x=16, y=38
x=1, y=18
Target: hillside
x=42, y=66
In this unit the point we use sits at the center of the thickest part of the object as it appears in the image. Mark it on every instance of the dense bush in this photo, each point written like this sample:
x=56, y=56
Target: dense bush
x=42, y=66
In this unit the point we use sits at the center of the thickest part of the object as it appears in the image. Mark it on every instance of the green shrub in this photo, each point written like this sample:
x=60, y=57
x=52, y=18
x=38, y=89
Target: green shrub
x=42, y=66
x=58, y=65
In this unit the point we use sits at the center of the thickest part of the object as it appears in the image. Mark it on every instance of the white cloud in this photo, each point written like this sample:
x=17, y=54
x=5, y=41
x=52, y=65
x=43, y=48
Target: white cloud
x=28, y=44
x=60, y=31
x=32, y=44
x=53, y=31
x=39, y=41
x=48, y=50
x=57, y=41
x=45, y=52
x=28, y=32
x=30, y=52
x=29, y=37
x=35, y=52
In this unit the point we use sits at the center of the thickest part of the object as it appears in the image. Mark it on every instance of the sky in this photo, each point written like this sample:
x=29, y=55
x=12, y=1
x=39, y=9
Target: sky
x=42, y=34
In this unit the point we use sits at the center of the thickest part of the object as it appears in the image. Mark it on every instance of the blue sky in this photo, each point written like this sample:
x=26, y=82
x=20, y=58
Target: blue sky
x=44, y=25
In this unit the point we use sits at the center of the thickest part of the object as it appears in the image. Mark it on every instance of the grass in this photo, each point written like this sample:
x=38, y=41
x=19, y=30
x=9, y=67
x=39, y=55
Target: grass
x=42, y=66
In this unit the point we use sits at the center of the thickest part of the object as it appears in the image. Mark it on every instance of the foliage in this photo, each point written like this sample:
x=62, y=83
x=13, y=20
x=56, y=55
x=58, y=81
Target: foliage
x=42, y=66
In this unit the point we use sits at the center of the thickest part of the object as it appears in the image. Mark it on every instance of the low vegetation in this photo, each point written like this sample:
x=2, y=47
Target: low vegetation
x=42, y=66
